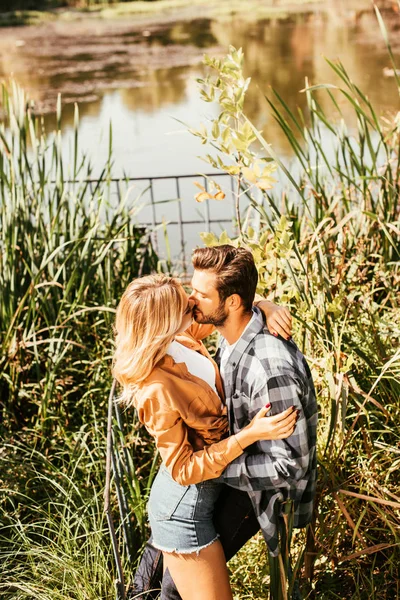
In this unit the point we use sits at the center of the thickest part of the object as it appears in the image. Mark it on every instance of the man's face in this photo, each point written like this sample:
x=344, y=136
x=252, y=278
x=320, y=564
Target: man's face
x=208, y=307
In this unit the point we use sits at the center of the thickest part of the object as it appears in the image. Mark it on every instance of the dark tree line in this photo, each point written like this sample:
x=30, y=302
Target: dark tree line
x=10, y=5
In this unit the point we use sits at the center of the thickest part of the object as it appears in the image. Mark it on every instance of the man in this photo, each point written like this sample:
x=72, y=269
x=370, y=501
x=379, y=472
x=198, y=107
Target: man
x=257, y=368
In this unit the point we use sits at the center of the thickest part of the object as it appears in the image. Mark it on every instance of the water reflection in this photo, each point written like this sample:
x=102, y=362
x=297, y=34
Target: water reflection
x=282, y=55
x=159, y=89
x=197, y=33
x=88, y=58
x=141, y=75
x=151, y=66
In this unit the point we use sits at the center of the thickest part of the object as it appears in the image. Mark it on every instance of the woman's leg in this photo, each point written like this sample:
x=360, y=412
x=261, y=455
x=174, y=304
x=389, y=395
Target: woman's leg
x=202, y=576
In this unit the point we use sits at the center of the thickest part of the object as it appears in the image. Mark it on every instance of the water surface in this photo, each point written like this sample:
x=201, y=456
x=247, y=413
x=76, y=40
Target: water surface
x=141, y=77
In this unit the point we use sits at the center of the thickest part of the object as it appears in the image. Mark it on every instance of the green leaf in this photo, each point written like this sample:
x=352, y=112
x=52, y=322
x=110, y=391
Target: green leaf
x=226, y=135
x=247, y=132
x=209, y=238
x=205, y=96
x=239, y=144
x=320, y=86
x=224, y=238
x=249, y=174
x=215, y=130
x=251, y=232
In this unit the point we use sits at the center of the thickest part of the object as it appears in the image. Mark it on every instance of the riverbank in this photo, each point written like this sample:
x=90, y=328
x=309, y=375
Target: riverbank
x=171, y=10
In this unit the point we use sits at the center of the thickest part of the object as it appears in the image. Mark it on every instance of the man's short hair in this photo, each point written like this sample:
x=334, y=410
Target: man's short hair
x=235, y=269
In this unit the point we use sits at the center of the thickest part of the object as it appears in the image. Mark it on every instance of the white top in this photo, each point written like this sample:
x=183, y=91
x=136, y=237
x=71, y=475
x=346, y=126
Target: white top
x=230, y=348
x=197, y=364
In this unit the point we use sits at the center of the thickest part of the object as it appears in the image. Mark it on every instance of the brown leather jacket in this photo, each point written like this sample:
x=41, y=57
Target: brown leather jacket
x=186, y=417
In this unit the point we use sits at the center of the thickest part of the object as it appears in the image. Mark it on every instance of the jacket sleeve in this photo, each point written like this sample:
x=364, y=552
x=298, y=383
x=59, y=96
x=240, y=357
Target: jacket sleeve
x=171, y=435
x=276, y=463
x=199, y=331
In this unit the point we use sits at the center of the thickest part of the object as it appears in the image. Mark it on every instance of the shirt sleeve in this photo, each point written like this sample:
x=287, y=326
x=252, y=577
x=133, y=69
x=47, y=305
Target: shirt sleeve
x=275, y=463
x=171, y=434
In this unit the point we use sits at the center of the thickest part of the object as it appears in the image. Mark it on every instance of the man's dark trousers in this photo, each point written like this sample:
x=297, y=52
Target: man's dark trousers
x=235, y=522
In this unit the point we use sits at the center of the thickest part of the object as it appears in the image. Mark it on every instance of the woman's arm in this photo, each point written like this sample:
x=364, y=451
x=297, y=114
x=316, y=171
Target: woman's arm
x=278, y=318
x=188, y=466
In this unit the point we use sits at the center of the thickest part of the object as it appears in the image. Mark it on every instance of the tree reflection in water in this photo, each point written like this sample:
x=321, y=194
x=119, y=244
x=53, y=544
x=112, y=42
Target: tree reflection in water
x=137, y=73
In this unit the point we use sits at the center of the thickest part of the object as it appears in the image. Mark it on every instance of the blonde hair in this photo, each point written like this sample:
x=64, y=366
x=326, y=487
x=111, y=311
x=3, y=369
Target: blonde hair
x=148, y=317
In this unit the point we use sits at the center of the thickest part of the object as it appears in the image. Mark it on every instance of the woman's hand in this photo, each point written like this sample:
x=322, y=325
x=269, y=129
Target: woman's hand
x=279, y=319
x=261, y=427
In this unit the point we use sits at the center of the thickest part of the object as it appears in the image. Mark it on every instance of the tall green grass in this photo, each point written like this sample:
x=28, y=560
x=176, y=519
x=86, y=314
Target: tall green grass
x=53, y=526
x=54, y=537
x=69, y=246
x=337, y=264
x=68, y=249
x=328, y=246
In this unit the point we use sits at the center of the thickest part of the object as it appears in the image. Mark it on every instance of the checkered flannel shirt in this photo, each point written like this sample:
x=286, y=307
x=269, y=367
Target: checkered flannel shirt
x=261, y=368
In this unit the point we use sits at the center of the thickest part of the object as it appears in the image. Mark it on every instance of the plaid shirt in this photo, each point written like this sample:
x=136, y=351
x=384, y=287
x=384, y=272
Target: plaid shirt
x=261, y=368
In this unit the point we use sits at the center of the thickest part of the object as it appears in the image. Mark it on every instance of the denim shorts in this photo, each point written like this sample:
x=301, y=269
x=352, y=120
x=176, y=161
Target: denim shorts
x=181, y=516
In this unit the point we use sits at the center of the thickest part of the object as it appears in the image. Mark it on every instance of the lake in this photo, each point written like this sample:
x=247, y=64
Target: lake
x=140, y=74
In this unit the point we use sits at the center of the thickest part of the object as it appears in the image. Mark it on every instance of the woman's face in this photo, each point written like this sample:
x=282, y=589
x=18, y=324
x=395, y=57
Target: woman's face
x=187, y=315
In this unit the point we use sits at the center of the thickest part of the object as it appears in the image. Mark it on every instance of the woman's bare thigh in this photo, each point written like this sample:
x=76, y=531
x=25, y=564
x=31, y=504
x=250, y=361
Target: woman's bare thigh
x=202, y=576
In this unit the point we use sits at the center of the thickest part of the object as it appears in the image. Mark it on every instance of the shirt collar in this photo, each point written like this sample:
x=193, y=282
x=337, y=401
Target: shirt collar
x=254, y=326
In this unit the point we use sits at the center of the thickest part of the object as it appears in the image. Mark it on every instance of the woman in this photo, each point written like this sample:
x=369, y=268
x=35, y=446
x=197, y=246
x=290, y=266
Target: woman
x=167, y=374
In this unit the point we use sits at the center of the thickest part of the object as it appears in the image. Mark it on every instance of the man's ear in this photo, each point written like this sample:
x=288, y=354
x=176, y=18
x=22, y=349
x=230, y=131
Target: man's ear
x=234, y=302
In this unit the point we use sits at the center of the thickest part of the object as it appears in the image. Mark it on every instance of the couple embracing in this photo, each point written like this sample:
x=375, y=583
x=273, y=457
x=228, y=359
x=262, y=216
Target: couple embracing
x=237, y=438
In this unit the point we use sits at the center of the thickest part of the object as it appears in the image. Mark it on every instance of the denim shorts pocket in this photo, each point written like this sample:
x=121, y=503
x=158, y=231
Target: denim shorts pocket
x=165, y=496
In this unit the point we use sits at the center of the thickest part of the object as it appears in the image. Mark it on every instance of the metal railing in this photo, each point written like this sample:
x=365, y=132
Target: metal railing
x=166, y=205
x=179, y=250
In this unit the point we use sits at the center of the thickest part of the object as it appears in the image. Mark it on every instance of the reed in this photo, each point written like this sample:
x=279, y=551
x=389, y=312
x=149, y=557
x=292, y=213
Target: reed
x=328, y=246
x=53, y=525
x=69, y=246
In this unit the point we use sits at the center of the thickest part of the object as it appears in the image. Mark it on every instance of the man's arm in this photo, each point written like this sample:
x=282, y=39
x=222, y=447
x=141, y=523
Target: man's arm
x=279, y=463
